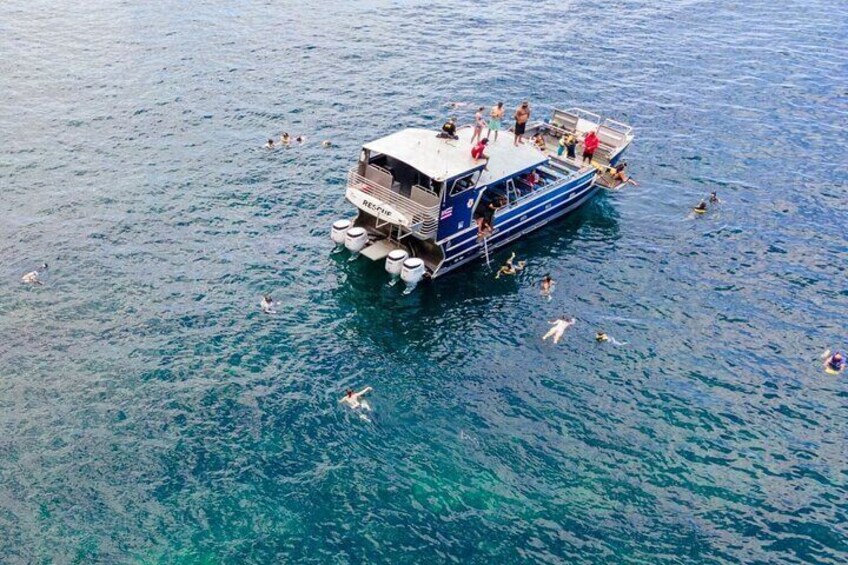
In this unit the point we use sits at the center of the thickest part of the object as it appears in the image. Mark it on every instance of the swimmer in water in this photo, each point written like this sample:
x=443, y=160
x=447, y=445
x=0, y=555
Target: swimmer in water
x=714, y=198
x=267, y=305
x=701, y=207
x=326, y=143
x=270, y=144
x=33, y=277
x=547, y=285
x=509, y=268
x=559, y=327
x=603, y=337
x=285, y=139
x=352, y=398
x=835, y=363
x=300, y=139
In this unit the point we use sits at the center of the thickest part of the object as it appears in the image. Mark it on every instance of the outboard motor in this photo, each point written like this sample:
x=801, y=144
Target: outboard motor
x=412, y=272
x=337, y=233
x=394, y=264
x=356, y=239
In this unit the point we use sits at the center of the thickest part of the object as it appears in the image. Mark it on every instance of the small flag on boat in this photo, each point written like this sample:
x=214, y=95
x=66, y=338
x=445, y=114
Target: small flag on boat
x=446, y=213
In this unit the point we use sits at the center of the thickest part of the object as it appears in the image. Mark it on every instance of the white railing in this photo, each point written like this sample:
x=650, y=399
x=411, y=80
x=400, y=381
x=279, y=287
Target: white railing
x=388, y=206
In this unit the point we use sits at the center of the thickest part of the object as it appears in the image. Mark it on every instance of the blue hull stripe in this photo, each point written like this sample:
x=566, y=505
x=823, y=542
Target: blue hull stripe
x=471, y=249
x=507, y=222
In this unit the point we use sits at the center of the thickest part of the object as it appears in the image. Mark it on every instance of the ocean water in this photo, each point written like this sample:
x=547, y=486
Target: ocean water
x=150, y=413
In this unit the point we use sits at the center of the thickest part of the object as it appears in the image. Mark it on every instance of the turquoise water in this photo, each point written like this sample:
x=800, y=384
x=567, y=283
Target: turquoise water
x=150, y=413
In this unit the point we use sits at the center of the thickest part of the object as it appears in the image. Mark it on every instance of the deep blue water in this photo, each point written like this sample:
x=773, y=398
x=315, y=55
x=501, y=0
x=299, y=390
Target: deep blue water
x=150, y=413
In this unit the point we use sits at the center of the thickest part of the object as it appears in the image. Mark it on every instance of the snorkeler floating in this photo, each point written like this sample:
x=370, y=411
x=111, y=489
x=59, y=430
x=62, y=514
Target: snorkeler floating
x=33, y=277
x=836, y=363
x=559, y=327
x=267, y=305
x=603, y=337
x=509, y=268
x=352, y=398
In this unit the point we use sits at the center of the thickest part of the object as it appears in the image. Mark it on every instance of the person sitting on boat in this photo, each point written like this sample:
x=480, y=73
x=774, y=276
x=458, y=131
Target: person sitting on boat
x=701, y=208
x=477, y=152
x=449, y=130
x=509, y=268
x=539, y=141
x=590, y=145
x=532, y=179
x=836, y=362
x=484, y=228
x=619, y=175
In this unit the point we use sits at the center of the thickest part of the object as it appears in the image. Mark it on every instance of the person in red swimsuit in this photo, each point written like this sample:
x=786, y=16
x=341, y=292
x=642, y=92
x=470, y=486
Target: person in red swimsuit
x=477, y=152
x=590, y=144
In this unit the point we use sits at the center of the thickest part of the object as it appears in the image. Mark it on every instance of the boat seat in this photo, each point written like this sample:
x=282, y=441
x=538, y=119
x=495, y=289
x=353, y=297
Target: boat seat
x=549, y=172
x=378, y=175
x=565, y=121
x=602, y=157
x=610, y=137
x=423, y=196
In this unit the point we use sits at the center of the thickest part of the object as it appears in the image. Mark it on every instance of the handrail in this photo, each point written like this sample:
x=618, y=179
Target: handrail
x=400, y=210
x=620, y=127
x=584, y=114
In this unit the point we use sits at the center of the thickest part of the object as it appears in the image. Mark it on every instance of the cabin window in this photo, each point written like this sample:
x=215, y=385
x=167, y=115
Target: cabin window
x=460, y=185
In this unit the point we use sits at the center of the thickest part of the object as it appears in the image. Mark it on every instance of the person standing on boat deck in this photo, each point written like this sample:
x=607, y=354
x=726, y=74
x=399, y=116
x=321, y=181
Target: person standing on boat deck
x=571, y=147
x=495, y=117
x=477, y=152
x=479, y=124
x=522, y=114
x=590, y=145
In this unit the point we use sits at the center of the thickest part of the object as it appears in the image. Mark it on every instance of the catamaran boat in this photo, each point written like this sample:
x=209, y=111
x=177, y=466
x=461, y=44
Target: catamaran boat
x=420, y=196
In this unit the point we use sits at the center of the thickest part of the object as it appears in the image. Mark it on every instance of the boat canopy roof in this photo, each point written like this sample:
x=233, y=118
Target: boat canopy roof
x=442, y=159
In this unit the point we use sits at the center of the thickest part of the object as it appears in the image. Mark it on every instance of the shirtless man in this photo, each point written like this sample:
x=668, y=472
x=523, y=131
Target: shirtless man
x=522, y=114
x=352, y=398
x=495, y=119
x=559, y=327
